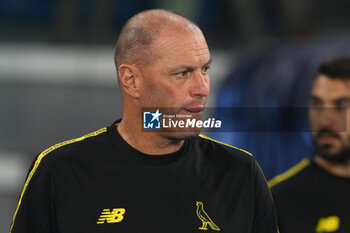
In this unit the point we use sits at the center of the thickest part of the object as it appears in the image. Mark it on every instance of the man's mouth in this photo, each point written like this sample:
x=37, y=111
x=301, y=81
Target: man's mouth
x=195, y=109
x=326, y=139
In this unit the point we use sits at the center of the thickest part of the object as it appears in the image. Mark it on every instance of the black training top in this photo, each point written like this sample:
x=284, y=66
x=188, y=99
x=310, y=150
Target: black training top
x=99, y=183
x=309, y=199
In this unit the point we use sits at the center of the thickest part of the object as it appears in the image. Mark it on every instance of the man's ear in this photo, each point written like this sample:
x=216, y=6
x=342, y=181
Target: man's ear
x=129, y=79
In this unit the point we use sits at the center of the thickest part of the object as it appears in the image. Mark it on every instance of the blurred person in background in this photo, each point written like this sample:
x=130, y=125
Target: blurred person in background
x=123, y=179
x=313, y=196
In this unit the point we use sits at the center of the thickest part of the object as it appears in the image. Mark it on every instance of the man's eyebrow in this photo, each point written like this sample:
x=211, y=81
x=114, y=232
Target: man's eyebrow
x=314, y=98
x=209, y=62
x=341, y=99
x=179, y=67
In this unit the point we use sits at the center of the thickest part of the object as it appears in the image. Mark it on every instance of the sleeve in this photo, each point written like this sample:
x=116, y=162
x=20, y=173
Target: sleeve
x=35, y=209
x=265, y=220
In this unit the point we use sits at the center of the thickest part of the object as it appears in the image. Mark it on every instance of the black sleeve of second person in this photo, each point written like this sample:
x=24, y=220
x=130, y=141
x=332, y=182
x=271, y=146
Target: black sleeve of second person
x=265, y=220
x=36, y=208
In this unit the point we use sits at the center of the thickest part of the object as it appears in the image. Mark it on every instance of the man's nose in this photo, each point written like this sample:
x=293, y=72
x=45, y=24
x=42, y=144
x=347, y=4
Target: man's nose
x=333, y=118
x=200, y=85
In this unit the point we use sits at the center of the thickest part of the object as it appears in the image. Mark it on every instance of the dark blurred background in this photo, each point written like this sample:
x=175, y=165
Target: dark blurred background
x=58, y=81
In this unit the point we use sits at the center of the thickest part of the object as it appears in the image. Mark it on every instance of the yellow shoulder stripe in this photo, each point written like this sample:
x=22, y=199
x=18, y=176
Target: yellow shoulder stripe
x=206, y=137
x=42, y=155
x=289, y=173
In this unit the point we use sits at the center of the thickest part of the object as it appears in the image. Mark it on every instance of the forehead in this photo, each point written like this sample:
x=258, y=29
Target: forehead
x=185, y=46
x=330, y=88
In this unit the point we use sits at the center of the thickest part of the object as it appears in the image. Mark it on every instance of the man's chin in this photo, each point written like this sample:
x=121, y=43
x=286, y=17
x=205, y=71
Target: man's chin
x=332, y=155
x=182, y=135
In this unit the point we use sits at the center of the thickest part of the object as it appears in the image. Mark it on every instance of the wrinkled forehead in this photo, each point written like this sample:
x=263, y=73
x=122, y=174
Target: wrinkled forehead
x=181, y=44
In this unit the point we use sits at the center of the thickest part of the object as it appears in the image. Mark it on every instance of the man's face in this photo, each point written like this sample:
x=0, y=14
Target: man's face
x=178, y=79
x=327, y=118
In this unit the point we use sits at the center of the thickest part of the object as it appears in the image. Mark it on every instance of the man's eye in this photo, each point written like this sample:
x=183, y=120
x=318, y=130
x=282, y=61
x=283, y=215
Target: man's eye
x=315, y=103
x=341, y=107
x=205, y=70
x=345, y=104
x=181, y=74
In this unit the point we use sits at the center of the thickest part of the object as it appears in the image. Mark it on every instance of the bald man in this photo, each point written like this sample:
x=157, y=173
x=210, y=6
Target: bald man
x=125, y=178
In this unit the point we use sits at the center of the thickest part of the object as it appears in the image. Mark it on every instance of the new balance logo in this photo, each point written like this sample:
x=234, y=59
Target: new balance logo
x=114, y=216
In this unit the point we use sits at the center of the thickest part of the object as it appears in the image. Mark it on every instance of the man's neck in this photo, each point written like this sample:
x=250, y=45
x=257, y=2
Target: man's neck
x=146, y=142
x=337, y=169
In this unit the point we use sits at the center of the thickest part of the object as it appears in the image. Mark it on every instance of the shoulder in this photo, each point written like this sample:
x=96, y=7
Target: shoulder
x=223, y=151
x=71, y=147
x=291, y=177
x=221, y=145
